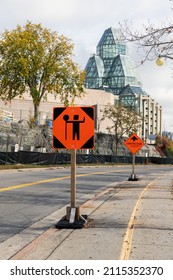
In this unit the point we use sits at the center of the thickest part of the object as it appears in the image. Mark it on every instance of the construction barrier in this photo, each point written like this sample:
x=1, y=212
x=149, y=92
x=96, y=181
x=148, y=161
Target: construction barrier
x=26, y=157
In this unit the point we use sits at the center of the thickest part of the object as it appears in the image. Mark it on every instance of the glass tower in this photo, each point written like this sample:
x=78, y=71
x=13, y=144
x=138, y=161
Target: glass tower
x=111, y=68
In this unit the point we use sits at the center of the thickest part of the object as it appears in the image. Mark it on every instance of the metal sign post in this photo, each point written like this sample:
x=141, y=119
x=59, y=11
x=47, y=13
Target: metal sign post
x=72, y=212
x=133, y=176
x=73, y=178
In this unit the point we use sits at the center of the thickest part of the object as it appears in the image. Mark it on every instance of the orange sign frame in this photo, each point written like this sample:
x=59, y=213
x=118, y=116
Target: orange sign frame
x=73, y=128
x=134, y=143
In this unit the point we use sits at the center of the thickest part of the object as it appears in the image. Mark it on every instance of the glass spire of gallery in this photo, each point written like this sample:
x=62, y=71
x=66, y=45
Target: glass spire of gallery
x=111, y=68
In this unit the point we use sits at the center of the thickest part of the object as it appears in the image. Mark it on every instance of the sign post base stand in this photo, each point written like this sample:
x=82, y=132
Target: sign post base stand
x=72, y=214
x=133, y=178
x=72, y=219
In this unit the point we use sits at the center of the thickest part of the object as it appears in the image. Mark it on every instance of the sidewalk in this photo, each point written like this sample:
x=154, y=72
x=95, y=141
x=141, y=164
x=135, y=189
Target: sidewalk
x=113, y=222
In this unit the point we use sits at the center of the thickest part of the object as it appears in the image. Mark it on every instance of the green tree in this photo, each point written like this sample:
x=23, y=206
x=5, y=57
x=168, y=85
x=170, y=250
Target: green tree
x=124, y=121
x=165, y=145
x=39, y=61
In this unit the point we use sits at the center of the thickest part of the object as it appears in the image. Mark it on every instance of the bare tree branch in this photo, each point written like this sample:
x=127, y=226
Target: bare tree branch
x=153, y=41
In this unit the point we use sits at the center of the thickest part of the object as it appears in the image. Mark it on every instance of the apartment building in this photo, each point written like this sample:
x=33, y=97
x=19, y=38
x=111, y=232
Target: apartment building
x=151, y=113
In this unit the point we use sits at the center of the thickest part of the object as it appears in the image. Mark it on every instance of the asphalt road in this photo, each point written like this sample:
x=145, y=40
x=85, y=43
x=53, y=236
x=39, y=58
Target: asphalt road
x=27, y=196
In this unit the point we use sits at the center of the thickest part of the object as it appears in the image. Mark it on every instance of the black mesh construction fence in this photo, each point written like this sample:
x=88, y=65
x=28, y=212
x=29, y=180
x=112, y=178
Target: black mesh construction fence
x=24, y=157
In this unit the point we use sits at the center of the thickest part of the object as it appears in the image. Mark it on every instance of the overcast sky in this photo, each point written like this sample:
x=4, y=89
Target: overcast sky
x=84, y=21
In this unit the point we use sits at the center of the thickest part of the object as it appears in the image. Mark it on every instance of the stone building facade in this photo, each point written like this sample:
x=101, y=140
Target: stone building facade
x=22, y=108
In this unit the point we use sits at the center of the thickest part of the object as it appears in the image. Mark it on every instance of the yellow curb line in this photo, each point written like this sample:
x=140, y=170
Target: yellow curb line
x=127, y=242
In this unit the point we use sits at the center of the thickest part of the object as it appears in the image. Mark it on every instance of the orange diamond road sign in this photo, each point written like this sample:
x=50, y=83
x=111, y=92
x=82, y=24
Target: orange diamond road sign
x=134, y=143
x=73, y=128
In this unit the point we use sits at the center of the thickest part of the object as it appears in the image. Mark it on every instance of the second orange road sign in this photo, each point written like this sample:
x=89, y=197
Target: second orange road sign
x=73, y=128
x=134, y=143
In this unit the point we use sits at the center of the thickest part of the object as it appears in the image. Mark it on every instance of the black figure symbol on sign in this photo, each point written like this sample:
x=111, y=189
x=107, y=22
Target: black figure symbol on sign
x=75, y=125
x=134, y=138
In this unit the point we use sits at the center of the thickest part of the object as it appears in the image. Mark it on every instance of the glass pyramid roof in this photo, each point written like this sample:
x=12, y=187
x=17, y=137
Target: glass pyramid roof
x=111, y=66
